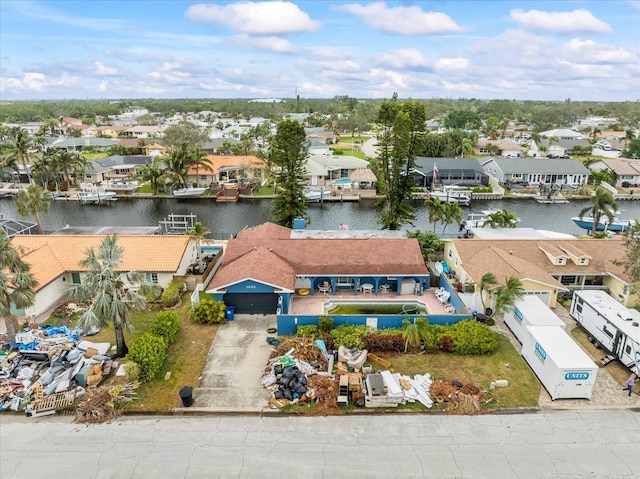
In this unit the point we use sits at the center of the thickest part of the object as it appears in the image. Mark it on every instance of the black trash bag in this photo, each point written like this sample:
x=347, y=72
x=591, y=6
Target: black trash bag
x=290, y=371
x=288, y=395
x=284, y=381
x=278, y=394
x=303, y=380
x=301, y=389
x=457, y=384
x=278, y=369
x=359, y=402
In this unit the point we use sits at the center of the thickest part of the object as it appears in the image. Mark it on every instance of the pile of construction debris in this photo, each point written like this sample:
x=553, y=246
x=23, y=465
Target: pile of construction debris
x=48, y=368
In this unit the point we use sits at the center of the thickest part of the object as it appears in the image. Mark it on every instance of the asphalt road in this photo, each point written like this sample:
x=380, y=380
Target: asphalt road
x=554, y=445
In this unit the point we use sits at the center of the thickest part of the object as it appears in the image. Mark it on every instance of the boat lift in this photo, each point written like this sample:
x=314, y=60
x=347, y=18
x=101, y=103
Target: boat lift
x=177, y=224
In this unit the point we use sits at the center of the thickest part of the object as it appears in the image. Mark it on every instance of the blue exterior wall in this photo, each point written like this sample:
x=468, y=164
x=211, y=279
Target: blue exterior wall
x=287, y=323
x=453, y=299
x=249, y=286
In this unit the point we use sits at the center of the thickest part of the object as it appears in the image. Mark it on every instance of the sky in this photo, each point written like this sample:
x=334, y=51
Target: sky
x=525, y=50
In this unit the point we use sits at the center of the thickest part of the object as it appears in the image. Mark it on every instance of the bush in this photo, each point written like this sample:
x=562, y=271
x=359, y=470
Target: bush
x=148, y=352
x=384, y=340
x=472, y=337
x=167, y=325
x=171, y=294
x=433, y=335
x=209, y=311
x=325, y=323
x=351, y=337
x=310, y=330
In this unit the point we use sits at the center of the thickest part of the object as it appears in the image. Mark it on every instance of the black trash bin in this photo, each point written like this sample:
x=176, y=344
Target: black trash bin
x=186, y=394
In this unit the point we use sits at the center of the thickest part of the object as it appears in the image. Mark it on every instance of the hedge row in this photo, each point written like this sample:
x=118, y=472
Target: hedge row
x=150, y=348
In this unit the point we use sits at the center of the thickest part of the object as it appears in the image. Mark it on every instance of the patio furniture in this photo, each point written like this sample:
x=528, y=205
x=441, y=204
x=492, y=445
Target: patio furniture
x=367, y=288
x=384, y=288
x=324, y=287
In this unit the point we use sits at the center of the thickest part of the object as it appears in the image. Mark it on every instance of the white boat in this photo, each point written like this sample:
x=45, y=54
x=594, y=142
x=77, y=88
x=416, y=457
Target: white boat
x=94, y=195
x=616, y=226
x=551, y=200
x=187, y=192
x=315, y=195
x=453, y=194
x=478, y=220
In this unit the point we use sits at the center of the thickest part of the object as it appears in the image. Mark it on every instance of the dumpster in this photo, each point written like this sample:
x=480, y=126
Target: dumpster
x=229, y=312
x=186, y=394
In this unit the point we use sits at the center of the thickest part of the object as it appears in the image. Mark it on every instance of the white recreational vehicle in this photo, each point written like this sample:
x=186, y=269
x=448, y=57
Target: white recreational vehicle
x=611, y=325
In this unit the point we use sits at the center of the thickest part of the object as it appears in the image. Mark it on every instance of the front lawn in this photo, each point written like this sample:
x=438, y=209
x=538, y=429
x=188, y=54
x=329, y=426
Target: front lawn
x=480, y=370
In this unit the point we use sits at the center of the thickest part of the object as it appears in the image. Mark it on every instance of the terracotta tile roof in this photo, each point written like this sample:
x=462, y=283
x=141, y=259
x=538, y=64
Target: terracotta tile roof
x=268, y=250
x=51, y=255
x=244, y=161
x=525, y=258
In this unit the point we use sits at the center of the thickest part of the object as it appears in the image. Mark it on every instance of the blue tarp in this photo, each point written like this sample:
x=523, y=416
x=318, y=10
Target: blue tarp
x=445, y=267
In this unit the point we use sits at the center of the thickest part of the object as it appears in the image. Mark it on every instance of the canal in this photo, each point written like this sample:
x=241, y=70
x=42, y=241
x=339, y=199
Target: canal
x=229, y=218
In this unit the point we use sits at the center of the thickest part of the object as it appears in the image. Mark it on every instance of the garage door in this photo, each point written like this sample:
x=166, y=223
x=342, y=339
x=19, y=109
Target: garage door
x=545, y=296
x=248, y=303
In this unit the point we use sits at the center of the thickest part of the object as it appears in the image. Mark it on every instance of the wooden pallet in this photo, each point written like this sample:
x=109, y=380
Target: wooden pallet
x=52, y=403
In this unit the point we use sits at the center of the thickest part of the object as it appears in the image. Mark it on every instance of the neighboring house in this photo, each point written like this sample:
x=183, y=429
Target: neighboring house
x=114, y=168
x=628, y=170
x=559, y=171
x=321, y=134
x=54, y=261
x=317, y=147
x=143, y=131
x=504, y=147
x=112, y=131
x=450, y=171
x=264, y=266
x=607, y=149
x=322, y=169
x=562, y=134
x=155, y=149
x=80, y=144
x=226, y=167
x=545, y=266
x=214, y=145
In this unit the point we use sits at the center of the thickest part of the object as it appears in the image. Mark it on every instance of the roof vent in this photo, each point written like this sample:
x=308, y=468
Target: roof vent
x=635, y=323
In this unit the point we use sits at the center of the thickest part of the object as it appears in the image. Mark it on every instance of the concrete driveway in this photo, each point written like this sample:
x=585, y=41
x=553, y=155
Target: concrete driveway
x=238, y=355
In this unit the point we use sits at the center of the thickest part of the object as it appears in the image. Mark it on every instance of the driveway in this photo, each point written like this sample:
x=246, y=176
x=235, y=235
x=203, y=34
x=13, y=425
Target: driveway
x=238, y=355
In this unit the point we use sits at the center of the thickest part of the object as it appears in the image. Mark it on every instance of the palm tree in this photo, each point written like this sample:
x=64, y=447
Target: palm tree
x=19, y=147
x=66, y=160
x=467, y=147
x=507, y=294
x=436, y=211
x=427, y=240
x=44, y=170
x=199, y=231
x=33, y=201
x=413, y=332
x=451, y=212
x=602, y=203
x=103, y=287
x=16, y=284
x=501, y=219
x=487, y=280
x=176, y=172
x=153, y=172
x=199, y=159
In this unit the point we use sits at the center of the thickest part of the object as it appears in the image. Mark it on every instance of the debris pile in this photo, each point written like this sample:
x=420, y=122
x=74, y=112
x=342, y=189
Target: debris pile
x=49, y=368
x=386, y=389
x=460, y=398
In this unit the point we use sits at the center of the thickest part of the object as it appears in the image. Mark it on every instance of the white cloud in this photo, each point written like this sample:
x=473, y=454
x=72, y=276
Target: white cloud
x=36, y=82
x=261, y=18
x=103, y=70
x=103, y=86
x=409, y=58
x=589, y=51
x=452, y=64
x=402, y=20
x=272, y=44
x=576, y=21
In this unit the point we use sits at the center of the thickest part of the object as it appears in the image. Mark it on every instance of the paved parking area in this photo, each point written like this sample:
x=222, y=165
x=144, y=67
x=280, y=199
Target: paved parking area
x=238, y=355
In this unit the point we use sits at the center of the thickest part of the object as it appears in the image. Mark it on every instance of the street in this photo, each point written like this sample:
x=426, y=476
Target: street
x=550, y=445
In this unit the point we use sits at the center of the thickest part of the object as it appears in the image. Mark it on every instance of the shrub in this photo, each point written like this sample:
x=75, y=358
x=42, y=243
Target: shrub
x=132, y=371
x=209, y=311
x=384, y=340
x=310, y=330
x=432, y=336
x=148, y=351
x=167, y=325
x=325, y=323
x=171, y=294
x=351, y=337
x=472, y=337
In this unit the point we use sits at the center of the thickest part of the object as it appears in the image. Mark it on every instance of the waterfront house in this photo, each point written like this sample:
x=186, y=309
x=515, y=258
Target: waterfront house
x=536, y=171
x=449, y=171
x=502, y=147
x=322, y=170
x=54, y=261
x=627, y=170
x=114, y=168
x=546, y=267
x=227, y=167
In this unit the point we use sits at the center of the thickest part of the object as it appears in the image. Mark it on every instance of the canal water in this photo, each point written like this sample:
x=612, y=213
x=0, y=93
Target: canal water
x=225, y=219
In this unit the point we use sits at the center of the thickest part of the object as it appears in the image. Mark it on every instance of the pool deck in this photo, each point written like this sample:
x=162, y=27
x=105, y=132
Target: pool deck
x=304, y=305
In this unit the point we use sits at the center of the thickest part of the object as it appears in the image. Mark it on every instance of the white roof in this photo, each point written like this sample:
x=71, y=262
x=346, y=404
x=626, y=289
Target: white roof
x=538, y=313
x=618, y=314
x=560, y=348
x=517, y=233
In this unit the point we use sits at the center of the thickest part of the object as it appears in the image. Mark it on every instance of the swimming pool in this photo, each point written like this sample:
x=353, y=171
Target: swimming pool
x=343, y=181
x=375, y=307
x=210, y=249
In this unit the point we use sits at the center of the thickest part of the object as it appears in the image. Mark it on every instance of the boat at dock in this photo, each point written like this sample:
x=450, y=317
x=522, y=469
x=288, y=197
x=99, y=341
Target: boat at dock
x=189, y=192
x=453, y=194
x=616, y=226
x=95, y=195
x=315, y=195
x=479, y=220
x=551, y=200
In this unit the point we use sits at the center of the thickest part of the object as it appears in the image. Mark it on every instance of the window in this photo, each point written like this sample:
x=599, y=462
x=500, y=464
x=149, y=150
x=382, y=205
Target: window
x=152, y=278
x=579, y=307
x=75, y=278
x=628, y=349
x=450, y=253
x=568, y=279
x=607, y=332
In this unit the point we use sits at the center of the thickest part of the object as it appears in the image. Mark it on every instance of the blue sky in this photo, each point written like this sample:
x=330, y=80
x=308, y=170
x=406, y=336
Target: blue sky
x=526, y=50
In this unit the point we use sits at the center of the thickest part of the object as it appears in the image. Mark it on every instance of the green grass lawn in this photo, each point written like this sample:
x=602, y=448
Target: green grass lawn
x=95, y=156
x=352, y=139
x=348, y=152
x=505, y=363
x=146, y=188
